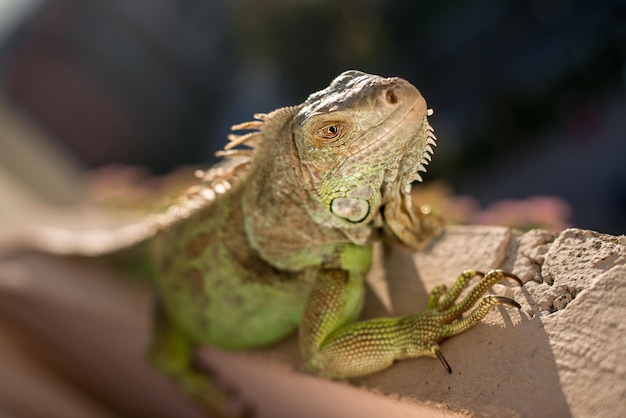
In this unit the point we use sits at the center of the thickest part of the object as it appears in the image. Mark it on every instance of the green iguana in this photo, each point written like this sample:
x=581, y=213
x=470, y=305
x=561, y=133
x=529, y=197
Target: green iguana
x=280, y=238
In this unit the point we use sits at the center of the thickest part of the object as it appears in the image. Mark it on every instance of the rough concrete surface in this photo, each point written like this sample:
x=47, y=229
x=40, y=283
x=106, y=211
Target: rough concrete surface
x=561, y=355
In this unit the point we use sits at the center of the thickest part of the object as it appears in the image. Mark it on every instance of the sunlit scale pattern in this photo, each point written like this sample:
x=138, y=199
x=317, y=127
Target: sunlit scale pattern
x=372, y=345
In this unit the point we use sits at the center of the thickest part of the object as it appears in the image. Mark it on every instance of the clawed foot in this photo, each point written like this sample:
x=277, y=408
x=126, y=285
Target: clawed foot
x=442, y=319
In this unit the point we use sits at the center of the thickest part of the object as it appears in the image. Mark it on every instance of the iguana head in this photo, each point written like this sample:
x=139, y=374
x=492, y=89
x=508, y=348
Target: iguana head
x=361, y=142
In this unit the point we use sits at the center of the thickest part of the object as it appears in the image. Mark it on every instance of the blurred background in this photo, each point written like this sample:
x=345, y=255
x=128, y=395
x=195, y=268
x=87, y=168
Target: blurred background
x=530, y=112
x=528, y=95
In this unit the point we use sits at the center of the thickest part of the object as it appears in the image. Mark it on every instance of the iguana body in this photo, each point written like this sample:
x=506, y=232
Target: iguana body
x=282, y=239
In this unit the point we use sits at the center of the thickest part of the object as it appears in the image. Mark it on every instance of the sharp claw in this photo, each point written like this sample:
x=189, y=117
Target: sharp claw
x=442, y=359
x=513, y=277
x=508, y=301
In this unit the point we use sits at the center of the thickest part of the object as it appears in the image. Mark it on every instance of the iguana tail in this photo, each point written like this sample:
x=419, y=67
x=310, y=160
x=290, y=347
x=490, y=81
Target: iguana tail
x=125, y=244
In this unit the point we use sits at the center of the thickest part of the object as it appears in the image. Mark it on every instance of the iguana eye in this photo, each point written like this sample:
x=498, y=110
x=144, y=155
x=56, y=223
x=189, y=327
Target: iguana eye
x=329, y=131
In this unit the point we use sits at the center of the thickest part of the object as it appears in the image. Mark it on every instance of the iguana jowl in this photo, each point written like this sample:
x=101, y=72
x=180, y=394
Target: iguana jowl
x=281, y=238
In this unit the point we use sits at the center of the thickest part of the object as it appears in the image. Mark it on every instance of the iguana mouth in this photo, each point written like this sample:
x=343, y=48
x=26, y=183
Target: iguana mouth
x=388, y=133
x=415, y=155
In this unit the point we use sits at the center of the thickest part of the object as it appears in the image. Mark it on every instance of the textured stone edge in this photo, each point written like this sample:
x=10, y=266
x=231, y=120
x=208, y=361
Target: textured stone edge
x=560, y=355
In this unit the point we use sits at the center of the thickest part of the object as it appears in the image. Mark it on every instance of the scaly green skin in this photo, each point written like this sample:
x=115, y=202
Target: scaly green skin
x=280, y=238
x=289, y=244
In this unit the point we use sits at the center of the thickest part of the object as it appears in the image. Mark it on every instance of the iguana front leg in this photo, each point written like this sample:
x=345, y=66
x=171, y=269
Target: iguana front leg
x=335, y=346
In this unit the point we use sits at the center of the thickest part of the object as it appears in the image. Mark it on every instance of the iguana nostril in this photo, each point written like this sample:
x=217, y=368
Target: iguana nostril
x=391, y=96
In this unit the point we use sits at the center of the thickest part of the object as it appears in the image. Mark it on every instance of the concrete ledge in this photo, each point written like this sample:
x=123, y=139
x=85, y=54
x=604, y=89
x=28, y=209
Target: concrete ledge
x=561, y=355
